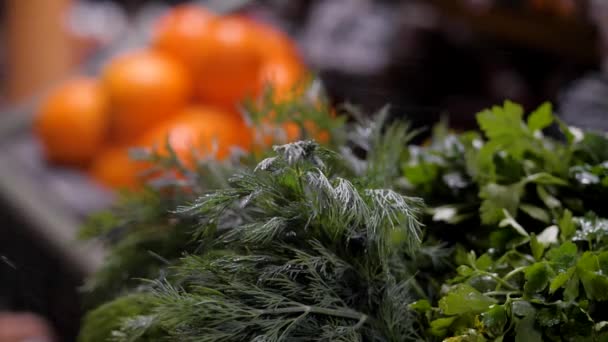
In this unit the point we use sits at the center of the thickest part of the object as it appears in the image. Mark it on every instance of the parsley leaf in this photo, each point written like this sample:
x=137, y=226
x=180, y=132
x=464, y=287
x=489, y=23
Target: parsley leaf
x=541, y=118
x=464, y=299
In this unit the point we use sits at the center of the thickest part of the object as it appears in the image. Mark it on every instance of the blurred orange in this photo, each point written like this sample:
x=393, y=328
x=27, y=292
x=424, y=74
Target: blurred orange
x=230, y=72
x=285, y=74
x=113, y=168
x=198, y=131
x=319, y=135
x=272, y=42
x=144, y=88
x=288, y=132
x=273, y=133
x=183, y=34
x=72, y=121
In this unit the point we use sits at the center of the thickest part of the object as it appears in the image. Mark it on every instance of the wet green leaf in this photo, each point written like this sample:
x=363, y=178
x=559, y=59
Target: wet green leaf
x=536, y=247
x=561, y=279
x=562, y=257
x=464, y=299
x=537, y=277
x=440, y=326
x=464, y=270
x=522, y=308
x=495, y=320
x=497, y=198
x=509, y=221
x=594, y=282
x=549, y=317
x=421, y=173
x=566, y=225
x=550, y=201
x=535, y=212
x=484, y=262
x=470, y=335
x=571, y=291
x=422, y=305
x=525, y=330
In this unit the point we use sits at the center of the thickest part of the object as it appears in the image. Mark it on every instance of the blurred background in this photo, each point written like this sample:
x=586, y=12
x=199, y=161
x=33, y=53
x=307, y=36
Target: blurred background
x=427, y=58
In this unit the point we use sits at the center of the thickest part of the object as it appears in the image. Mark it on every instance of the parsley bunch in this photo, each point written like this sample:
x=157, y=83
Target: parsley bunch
x=530, y=253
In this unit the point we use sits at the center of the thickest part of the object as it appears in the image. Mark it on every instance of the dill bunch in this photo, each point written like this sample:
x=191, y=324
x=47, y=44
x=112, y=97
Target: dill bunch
x=289, y=251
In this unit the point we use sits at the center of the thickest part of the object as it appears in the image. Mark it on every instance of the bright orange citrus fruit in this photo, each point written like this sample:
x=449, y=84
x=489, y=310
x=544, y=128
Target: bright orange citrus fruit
x=272, y=42
x=285, y=75
x=199, y=132
x=72, y=121
x=183, y=33
x=144, y=88
x=113, y=168
x=229, y=73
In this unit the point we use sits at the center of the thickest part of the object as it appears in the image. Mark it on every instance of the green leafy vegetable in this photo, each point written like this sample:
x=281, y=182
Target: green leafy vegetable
x=312, y=243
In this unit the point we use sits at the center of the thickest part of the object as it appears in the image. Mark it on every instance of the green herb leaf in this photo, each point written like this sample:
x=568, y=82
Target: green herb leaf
x=541, y=118
x=549, y=317
x=561, y=279
x=544, y=178
x=549, y=200
x=495, y=320
x=535, y=212
x=421, y=173
x=593, y=280
x=571, y=291
x=440, y=326
x=536, y=247
x=525, y=330
x=522, y=308
x=503, y=125
x=537, y=277
x=497, y=198
x=562, y=257
x=566, y=131
x=566, y=225
x=484, y=262
x=510, y=221
x=464, y=299
x=422, y=305
x=464, y=270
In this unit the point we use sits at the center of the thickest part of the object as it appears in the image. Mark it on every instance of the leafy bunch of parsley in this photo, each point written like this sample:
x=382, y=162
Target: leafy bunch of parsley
x=521, y=204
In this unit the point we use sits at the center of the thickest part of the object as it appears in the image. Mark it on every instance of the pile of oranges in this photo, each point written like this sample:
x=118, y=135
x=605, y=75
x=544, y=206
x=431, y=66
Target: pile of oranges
x=183, y=89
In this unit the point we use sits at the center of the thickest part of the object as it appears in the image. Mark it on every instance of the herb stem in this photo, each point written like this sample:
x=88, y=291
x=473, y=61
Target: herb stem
x=502, y=293
x=514, y=272
x=360, y=317
x=499, y=280
x=503, y=281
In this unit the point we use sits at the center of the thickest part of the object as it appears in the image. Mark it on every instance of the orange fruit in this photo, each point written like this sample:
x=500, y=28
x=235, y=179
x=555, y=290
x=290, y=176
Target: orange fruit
x=72, y=121
x=144, y=88
x=287, y=132
x=182, y=33
x=229, y=73
x=285, y=74
x=276, y=133
x=198, y=131
x=272, y=42
x=113, y=168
